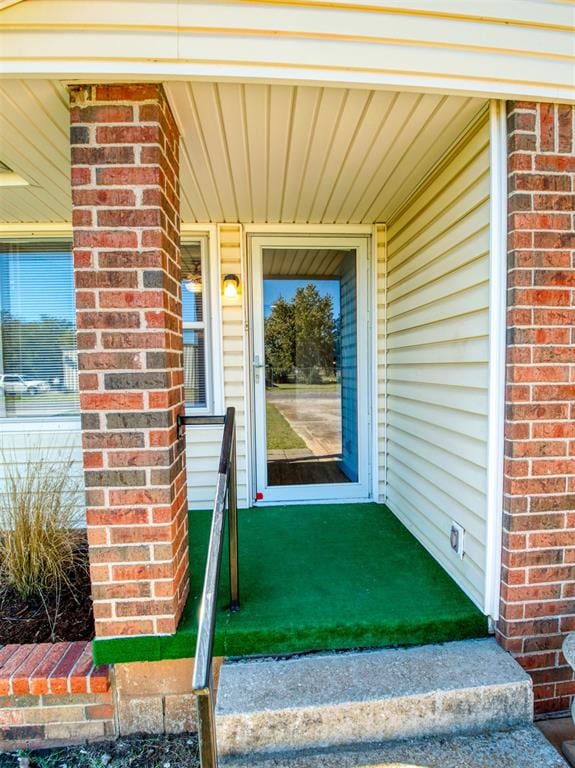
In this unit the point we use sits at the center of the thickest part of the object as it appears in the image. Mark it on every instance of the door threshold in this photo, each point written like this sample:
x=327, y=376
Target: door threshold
x=314, y=502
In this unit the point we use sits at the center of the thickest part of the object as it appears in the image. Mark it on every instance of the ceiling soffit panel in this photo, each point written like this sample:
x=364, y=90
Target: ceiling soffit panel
x=34, y=143
x=250, y=152
x=301, y=154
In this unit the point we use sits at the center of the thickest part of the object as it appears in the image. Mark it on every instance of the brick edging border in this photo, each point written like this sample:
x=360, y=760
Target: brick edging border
x=51, y=668
x=53, y=692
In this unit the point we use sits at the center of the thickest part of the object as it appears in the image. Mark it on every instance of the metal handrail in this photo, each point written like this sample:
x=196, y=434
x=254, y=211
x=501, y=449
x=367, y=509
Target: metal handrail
x=226, y=489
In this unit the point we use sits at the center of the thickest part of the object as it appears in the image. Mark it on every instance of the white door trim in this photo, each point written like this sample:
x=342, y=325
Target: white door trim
x=294, y=238
x=497, y=329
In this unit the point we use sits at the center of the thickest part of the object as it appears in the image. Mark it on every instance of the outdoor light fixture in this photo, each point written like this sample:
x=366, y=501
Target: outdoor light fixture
x=231, y=286
x=193, y=280
x=193, y=283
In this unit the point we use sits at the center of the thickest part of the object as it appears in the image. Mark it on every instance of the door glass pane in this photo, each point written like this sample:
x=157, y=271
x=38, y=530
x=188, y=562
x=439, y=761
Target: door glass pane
x=310, y=340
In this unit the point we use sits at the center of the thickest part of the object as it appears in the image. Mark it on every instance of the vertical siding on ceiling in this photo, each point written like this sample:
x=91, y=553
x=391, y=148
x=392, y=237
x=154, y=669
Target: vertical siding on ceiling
x=437, y=361
x=258, y=153
x=34, y=143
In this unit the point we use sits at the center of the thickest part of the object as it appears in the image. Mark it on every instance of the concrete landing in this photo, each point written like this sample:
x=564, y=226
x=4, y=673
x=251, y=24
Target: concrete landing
x=521, y=748
x=323, y=700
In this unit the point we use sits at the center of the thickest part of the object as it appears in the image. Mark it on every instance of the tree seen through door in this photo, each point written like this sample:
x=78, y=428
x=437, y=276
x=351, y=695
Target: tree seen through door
x=310, y=367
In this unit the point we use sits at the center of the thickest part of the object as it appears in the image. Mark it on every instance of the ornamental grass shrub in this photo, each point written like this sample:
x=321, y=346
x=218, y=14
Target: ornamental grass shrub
x=39, y=519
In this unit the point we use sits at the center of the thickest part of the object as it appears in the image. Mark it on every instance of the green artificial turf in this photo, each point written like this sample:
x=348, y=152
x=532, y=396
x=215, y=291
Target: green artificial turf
x=312, y=578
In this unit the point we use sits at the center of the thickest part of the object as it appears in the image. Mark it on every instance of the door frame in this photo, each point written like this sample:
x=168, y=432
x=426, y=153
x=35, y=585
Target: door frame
x=290, y=236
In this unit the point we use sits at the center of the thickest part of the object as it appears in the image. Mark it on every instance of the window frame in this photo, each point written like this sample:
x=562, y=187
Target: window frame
x=41, y=233
x=211, y=323
x=212, y=318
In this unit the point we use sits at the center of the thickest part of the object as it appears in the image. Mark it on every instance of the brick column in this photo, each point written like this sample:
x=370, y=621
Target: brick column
x=538, y=598
x=125, y=188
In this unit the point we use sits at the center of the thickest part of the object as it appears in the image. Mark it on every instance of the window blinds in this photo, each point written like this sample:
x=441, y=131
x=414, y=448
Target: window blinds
x=38, y=356
x=194, y=296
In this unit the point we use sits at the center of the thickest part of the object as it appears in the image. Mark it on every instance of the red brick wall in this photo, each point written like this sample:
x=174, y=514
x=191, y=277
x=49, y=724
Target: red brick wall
x=125, y=186
x=538, y=589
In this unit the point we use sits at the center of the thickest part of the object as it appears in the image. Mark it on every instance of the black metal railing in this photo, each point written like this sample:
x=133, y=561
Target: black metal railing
x=226, y=491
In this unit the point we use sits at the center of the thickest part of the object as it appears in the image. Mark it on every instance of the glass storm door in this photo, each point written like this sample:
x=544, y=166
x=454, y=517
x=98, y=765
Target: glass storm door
x=310, y=368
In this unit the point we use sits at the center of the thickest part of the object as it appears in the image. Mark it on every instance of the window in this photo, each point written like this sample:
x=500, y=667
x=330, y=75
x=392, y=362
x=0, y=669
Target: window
x=38, y=357
x=195, y=313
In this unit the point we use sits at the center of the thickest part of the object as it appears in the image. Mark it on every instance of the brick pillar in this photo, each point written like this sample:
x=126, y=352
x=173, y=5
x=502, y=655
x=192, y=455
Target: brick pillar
x=538, y=598
x=125, y=186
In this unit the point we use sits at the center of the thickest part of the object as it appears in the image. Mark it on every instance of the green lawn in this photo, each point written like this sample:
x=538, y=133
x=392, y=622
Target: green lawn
x=280, y=436
x=328, y=387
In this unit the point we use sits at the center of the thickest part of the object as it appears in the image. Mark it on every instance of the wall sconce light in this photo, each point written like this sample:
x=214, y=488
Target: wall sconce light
x=193, y=283
x=231, y=285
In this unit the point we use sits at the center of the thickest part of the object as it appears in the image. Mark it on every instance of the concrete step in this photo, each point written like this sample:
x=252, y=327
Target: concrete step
x=323, y=700
x=520, y=748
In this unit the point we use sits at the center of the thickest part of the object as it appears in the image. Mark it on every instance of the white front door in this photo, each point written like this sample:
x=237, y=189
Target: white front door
x=311, y=367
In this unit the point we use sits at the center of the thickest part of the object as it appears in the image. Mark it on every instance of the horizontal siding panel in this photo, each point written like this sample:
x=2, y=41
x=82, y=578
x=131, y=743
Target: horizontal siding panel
x=467, y=351
x=469, y=448
x=469, y=326
x=56, y=444
x=458, y=174
x=460, y=207
x=441, y=466
x=445, y=263
x=437, y=373
x=463, y=302
x=473, y=375
x=456, y=237
x=473, y=425
x=441, y=507
x=467, y=573
x=432, y=290
x=233, y=345
x=459, y=403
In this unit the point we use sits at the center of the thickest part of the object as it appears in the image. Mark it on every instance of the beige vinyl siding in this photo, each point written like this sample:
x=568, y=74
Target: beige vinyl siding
x=234, y=343
x=64, y=439
x=31, y=441
x=202, y=457
x=204, y=443
x=437, y=361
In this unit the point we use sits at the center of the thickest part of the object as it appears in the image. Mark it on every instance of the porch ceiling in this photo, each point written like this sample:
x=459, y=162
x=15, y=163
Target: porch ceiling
x=250, y=152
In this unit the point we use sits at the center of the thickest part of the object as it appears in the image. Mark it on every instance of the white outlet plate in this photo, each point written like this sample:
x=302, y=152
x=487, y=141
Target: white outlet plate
x=457, y=539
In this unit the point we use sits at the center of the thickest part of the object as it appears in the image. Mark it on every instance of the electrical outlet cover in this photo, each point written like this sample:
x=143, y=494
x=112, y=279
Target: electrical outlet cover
x=456, y=538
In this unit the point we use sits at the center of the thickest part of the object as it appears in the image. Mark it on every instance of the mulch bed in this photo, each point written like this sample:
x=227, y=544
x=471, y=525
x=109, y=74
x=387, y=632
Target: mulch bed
x=139, y=751
x=67, y=617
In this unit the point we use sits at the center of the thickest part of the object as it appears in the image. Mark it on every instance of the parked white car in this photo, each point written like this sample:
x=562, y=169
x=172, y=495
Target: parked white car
x=17, y=385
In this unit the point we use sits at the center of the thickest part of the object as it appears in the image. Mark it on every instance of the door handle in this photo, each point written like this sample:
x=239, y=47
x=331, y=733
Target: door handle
x=256, y=362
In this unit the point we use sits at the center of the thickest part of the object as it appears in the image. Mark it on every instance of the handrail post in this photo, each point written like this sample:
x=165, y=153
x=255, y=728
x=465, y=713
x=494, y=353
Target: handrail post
x=233, y=528
x=207, y=729
x=202, y=681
